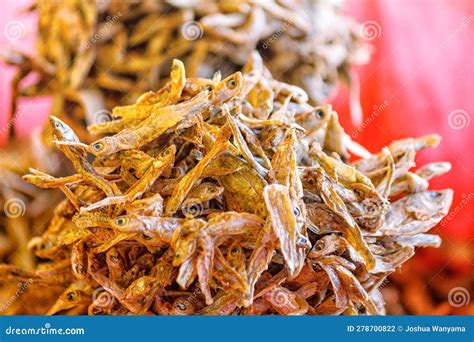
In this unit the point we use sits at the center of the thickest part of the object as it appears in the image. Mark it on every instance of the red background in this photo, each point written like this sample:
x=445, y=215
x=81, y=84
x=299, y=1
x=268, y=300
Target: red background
x=422, y=65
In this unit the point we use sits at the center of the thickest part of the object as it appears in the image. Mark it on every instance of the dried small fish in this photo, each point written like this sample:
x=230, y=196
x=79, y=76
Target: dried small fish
x=65, y=60
x=88, y=54
x=171, y=216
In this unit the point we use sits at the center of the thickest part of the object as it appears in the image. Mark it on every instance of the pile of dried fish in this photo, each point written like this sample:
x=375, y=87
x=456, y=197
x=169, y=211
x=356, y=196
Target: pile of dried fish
x=94, y=55
x=229, y=196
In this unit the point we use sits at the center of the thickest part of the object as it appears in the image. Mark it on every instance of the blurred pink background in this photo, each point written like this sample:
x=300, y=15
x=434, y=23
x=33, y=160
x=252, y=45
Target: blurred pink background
x=420, y=79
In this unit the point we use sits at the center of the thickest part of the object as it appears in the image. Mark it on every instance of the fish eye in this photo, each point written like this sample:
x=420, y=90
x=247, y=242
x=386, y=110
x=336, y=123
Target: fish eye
x=98, y=146
x=232, y=83
x=114, y=258
x=71, y=296
x=96, y=310
x=181, y=306
x=120, y=221
x=57, y=124
x=320, y=113
x=302, y=240
x=80, y=269
x=434, y=194
x=296, y=211
x=234, y=250
x=209, y=87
